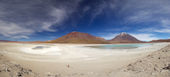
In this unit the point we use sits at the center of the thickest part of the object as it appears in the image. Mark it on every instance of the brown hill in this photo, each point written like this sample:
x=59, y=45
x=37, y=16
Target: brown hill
x=124, y=38
x=161, y=40
x=78, y=37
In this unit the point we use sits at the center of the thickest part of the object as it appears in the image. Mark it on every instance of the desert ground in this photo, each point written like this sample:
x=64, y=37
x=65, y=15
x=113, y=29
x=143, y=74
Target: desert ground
x=52, y=60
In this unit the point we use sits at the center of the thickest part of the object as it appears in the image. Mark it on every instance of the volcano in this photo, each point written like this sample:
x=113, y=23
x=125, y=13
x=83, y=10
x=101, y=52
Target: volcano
x=78, y=37
x=124, y=38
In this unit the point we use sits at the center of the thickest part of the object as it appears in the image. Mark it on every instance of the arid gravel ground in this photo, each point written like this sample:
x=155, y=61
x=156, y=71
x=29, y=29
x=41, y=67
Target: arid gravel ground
x=156, y=64
x=153, y=64
x=12, y=69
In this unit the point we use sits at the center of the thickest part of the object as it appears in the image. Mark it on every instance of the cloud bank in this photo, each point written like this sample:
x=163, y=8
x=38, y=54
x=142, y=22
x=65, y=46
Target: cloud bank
x=20, y=18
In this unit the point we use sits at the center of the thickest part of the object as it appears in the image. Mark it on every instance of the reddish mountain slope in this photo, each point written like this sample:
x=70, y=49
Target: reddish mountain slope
x=124, y=38
x=78, y=37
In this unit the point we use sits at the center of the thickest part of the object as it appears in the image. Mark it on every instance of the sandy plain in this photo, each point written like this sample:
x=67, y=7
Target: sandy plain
x=53, y=59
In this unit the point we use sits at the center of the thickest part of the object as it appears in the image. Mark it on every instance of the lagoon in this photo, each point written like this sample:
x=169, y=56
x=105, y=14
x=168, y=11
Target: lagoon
x=121, y=46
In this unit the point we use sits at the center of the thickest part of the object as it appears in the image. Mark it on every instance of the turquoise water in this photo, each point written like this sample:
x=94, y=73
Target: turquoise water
x=121, y=46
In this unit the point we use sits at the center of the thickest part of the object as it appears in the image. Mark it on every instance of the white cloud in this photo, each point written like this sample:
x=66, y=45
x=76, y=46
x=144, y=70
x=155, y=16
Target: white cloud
x=146, y=11
x=166, y=23
x=108, y=36
x=46, y=26
x=86, y=8
x=26, y=37
x=19, y=21
x=164, y=27
x=147, y=30
x=98, y=11
x=53, y=37
x=9, y=29
x=118, y=29
x=163, y=31
x=112, y=5
x=58, y=14
x=140, y=16
x=145, y=37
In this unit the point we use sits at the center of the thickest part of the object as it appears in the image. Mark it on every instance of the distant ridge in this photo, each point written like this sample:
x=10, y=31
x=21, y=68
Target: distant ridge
x=161, y=40
x=22, y=41
x=124, y=38
x=78, y=37
x=7, y=41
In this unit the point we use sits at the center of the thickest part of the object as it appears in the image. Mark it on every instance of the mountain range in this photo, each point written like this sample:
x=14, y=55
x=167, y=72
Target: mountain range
x=78, y=37
x=85, y=38
x=7, y=41
x=161, y=40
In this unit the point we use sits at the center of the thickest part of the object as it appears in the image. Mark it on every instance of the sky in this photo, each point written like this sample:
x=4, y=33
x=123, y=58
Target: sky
x=32, y=20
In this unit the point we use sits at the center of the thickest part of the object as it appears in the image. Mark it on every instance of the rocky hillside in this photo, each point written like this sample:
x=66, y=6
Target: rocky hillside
x=12, y=69
x=78, y=37
x=124, y=38
x=156, y=64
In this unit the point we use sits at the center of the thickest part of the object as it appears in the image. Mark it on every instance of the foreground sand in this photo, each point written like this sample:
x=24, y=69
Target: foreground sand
x=83, y=62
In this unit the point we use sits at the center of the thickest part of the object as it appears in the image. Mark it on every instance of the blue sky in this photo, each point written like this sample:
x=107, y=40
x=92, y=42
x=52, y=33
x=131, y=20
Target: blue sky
x=31, y=20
